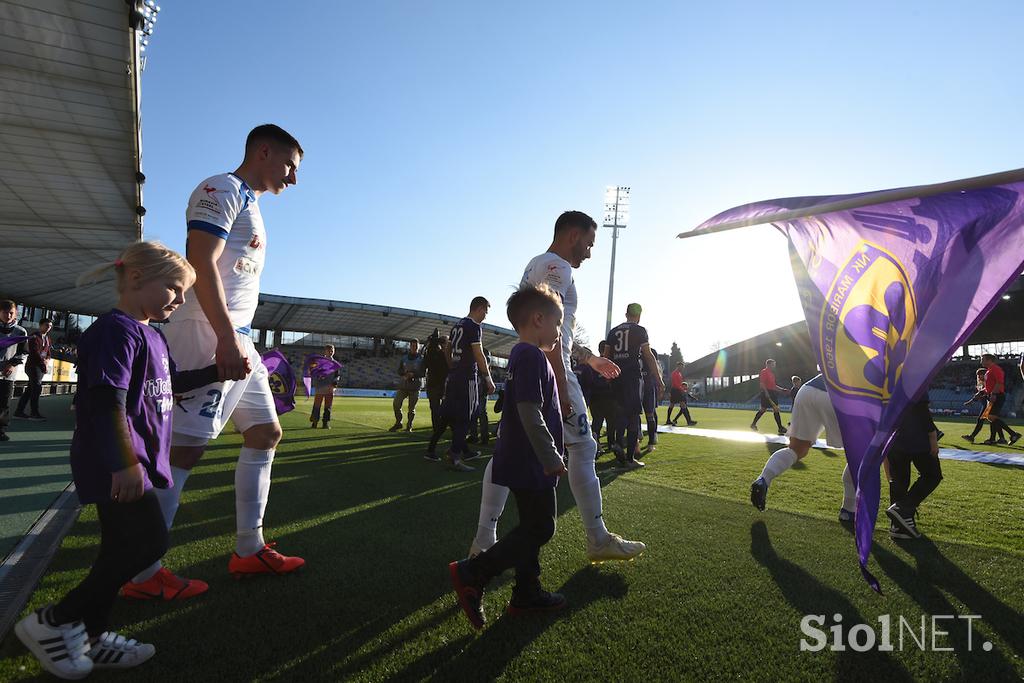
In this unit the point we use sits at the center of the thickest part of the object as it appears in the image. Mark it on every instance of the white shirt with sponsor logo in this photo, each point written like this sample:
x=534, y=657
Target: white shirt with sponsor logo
x=223, y=205
x=556, y=273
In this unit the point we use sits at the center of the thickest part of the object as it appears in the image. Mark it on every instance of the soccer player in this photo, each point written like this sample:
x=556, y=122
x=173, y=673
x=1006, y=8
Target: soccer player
x=995, y=387
x=461, y=391
x=982, y=398
x=574, y=237
x=812, y=413
x=769, y=396
x=650, y=401
x=631, y=351
x=435, y=362
x=227, y=246
x=10, y=358
x=527, y=459
x=678, y=395
x=411, y=370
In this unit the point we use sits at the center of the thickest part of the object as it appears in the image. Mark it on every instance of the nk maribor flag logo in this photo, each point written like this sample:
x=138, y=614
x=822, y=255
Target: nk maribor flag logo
x=282, y=380
x=892, y=284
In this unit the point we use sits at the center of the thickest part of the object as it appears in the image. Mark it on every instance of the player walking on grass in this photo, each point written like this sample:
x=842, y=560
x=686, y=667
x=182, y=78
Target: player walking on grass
x=769, y=396
x=678, y=395
x=982, y=398
x=812, y=413
x=574, y=237
x=631, y=351
x=995, y=388
x=527, y=459
x=227, y=246
x=324, y=384
x=461, y=390
x=119, y=457
x=916, y=441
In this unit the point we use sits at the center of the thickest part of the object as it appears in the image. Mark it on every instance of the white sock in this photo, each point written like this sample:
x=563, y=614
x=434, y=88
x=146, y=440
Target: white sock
x=169, y=500
x=252, y=489
x=849, y=491
x=586, y=489
x=780, y=461
x=492, y=503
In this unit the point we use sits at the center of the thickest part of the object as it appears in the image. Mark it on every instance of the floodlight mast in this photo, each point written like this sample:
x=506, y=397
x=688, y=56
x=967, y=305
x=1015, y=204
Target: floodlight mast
x=616, y=215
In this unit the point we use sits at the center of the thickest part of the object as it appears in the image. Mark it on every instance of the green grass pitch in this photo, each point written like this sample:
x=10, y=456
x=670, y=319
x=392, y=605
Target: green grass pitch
x=718, y=596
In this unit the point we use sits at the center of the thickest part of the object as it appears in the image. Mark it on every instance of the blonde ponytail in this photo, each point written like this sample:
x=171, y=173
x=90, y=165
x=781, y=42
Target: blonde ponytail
x=153, y=259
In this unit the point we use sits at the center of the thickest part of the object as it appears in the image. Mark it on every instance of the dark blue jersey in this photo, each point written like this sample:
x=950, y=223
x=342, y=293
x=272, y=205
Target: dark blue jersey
x=464, y=334
x=627, y=340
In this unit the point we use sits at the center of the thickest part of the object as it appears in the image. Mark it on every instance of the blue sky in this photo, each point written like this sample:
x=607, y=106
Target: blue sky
x=442, y=139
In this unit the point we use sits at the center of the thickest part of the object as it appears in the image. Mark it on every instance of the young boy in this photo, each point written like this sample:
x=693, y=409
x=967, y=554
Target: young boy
x=916, y=441
x=527, y=459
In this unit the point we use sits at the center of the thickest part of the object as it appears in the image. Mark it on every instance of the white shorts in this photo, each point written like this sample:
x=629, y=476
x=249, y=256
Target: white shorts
x=204, y=412
x=576, y=425
x=813, y=412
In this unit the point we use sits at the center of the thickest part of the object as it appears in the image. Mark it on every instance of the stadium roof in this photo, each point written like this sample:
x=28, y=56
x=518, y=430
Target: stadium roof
x=69, y=116
x=345, y=318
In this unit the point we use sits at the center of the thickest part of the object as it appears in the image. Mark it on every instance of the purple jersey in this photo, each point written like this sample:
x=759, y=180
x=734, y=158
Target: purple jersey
x=531, y=379
x=464, y=334
x=627, y=340
x=122, y=353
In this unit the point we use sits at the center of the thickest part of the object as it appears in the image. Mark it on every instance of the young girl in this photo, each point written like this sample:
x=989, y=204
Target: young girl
x=119, y=452
x=324, y=384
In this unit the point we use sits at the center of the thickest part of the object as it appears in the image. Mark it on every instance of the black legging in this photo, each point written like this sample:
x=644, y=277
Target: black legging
x=132, y=537
x=520, y=548
x=32, y=392
x=929, y=475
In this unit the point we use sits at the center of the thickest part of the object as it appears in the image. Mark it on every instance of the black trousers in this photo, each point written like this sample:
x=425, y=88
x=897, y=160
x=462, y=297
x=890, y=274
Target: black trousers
x=32, y=391
x=519, y=549
x=6, y=394
x=929, y=475
x=132, y=537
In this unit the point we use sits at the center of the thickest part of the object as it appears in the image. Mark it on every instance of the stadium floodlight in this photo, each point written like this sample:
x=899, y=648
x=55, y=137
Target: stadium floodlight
x=616, y=216
x=1006, y=297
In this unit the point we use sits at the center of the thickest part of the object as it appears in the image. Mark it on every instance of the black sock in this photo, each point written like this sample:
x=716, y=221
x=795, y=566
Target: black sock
x=977, y=427
x=686, y=413
x=778, y=420
x=757, y=417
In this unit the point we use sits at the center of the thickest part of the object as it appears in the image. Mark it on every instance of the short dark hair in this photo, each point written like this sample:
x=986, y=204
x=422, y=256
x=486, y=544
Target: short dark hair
x=989, y=356
x=7, y=304
x=477, y=302
x=530, y=299
x=45, y=320
x=574, y=219
x=601, y=344
x=268, y=132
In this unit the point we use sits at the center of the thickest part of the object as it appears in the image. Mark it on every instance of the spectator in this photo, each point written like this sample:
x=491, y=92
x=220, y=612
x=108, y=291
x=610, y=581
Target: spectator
x=37, y=365
x=10, y=358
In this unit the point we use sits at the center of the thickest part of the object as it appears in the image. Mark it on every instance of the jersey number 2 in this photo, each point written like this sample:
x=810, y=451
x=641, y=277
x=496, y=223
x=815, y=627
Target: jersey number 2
x=210, y=408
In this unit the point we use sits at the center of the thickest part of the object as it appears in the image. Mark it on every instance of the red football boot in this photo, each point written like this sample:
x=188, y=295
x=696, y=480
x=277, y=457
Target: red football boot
x=266, y=561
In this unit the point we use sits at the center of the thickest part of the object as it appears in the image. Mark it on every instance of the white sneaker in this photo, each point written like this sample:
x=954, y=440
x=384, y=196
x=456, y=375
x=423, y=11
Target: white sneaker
x=114, y=651
x=615, y=548
x=61, y=650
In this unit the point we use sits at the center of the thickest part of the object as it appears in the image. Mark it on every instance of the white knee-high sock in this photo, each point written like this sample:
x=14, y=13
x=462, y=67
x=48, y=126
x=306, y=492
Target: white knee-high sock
x=849, y=491
x=492, y=503
x=780, y=461
x=169, y=499
x=586, y=489
x=252, y=490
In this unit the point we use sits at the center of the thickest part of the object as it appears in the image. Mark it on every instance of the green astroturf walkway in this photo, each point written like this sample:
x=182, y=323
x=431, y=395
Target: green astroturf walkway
x=34, y=468
x=718, y=596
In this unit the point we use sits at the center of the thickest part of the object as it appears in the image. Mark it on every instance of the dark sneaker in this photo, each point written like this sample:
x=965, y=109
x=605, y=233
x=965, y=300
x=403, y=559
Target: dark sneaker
x=20, y=416
x=967, y=437
x=691, y=423
x=469, y=455
x=1001, y=442
x=472, y=439
x=4, y=437
x=1015, y=437
x=432, y=456
x=37, y=418
x=990, y=442
x=759, y=493
x=535, y=602
x=457, y=464
x=469, y=592
x=903, y=519
x=782, y=432
x=897, y=532
x=846, y=517
x=753, y=427
x=395, y=427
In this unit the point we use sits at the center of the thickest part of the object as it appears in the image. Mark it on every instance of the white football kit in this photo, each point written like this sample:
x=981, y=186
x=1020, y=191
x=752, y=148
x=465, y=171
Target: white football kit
x=226, y=207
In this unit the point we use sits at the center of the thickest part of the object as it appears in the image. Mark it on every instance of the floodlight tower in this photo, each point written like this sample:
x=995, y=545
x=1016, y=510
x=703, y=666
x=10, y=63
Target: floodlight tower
x=616, y=216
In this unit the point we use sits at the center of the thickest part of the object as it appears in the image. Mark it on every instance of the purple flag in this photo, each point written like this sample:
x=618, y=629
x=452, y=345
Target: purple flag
x=892, y=284
x=11, y=341
x=316, y=366
x=282, y=380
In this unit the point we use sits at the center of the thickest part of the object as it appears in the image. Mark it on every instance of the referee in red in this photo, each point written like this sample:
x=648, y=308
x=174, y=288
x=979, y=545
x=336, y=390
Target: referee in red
x=769, y=396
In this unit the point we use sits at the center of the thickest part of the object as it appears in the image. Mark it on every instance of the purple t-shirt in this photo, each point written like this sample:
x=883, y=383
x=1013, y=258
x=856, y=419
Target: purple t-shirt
x=531, y=379
x=464, y=334
x=122, y=353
